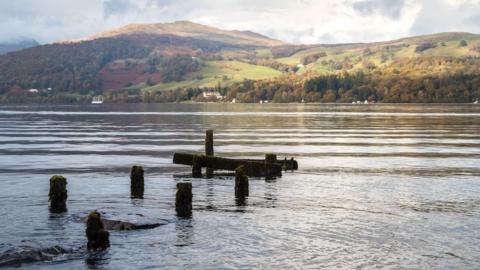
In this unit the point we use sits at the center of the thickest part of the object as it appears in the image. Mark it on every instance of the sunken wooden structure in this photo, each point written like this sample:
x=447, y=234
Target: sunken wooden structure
x=270, y=167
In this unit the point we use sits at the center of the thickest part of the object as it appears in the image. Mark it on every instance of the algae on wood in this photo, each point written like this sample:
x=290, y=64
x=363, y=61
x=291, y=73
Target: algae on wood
x=97, y=236
x=58, y=194
x=183, y=199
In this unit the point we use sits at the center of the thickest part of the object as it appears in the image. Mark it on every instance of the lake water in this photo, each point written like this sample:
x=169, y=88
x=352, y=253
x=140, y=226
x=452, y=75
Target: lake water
x=392, y=186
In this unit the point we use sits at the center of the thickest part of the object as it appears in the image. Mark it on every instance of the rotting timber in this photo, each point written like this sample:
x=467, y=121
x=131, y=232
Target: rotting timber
x=270, y=167
x=253, y=168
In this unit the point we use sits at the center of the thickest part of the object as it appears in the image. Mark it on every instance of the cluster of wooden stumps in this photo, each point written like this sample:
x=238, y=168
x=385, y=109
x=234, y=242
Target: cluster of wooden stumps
x=270, y=167
x=98, y=236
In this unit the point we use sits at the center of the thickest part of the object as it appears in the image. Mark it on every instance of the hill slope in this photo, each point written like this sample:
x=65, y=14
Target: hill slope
x=159, y=57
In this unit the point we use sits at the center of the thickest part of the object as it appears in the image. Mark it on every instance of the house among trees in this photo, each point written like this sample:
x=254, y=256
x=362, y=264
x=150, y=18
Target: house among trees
x=212, y=95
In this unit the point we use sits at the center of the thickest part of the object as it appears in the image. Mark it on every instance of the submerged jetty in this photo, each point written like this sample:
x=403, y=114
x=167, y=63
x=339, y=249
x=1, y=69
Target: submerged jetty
x=97, y=228
x=269, y=167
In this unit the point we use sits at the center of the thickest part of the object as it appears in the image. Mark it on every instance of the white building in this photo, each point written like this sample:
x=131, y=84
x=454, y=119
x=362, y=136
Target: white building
x=216, y=95
x=33, y=90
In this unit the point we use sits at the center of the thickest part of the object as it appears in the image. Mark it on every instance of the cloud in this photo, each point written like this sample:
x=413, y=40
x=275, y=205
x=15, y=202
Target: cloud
x=117, y=7
x=390, y=8
x=447, y=16
x=296, y=21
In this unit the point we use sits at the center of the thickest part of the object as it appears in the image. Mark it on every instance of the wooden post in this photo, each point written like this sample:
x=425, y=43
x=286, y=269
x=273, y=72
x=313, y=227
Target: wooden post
x=183, y=200
x=58, y=194
x=269, y=173
x=137, y=187
x=196, y=166
x=241, y=182
x=209, y=150
x=96, y=235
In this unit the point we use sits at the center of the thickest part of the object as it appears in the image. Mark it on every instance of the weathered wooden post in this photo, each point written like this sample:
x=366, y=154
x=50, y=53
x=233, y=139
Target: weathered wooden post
x=197, y=166
x=183, y=200
x=137, y=182
x=209, y=150
x=241, y=182
x=58, y=194
x=96, y=235
x=269, y=160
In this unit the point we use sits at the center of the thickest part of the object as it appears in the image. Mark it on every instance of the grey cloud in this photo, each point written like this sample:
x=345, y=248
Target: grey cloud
x=296, y=21
x=117, y=7
x=464, y=17
x=390, y=8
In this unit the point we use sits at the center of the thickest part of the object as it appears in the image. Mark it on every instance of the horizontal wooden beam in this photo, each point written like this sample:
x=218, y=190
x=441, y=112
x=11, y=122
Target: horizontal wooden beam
x=254, y=168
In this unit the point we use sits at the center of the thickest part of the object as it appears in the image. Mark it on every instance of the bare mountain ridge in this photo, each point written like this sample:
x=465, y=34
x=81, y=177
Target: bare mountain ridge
x=186, y=29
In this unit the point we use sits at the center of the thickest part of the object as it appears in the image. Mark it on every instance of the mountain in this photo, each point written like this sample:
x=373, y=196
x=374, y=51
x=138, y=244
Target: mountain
x=186, y=29
x=143, y=59
x=17, y=44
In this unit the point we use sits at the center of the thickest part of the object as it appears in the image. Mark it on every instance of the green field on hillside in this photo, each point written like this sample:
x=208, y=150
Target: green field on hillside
x=219, y=72
x=382, y=54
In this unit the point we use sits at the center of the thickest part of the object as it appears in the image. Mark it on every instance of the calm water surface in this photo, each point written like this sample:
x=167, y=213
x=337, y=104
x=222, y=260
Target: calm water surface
x=379, y=186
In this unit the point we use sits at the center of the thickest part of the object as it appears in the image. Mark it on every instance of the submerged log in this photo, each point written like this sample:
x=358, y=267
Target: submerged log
x=209, y=150
x=241, y=182
x=58, y=194
x=183, y=200
x=137, y=186
x=96, y=234
x=117, y=225
x=253, y=168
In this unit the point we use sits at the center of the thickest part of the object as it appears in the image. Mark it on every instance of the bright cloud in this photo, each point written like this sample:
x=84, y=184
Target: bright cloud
x=296, y=21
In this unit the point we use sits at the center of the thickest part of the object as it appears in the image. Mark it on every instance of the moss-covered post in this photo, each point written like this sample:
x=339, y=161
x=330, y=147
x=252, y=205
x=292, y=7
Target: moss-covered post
x=183, y=200
x=58, y=194
x=197, y=166
x=209, y=150
x=241, y=182
x=270, y=159
x=96, y=235
x=137, y=182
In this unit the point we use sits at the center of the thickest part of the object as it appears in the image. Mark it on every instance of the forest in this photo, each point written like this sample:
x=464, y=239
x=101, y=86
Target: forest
x=420, y=80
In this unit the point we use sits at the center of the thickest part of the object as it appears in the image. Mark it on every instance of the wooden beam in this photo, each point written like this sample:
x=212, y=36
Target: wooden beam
x=254, y=168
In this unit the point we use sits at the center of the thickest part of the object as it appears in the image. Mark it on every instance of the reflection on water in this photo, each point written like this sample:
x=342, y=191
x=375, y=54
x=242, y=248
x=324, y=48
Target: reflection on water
x=184, y=230
x=392, y=186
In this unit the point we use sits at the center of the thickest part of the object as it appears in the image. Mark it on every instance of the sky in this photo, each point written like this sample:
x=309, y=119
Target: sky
x=295, y=21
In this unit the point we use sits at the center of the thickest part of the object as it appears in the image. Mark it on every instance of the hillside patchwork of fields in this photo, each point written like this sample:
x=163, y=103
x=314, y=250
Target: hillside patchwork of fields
x=185, y=55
